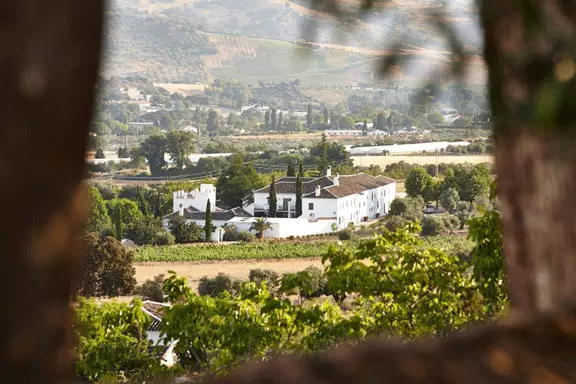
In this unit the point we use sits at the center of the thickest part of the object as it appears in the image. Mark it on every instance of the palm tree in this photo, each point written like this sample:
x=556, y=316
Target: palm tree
x=260, y=225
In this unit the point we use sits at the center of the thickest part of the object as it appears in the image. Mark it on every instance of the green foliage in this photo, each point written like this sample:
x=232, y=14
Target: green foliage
x=410, y=208
x=98, y=221
x=260, y=225
x=449, y=199
x=184, y=232
x=152, y=289
x=180, y=144
x=153, y=150
x=324, y=162
x=163, y=238
x=346, y=234
x=272, y=200
x=433, y=225
x=112, y=344
x=208, y=226
x=107, y=269
x=144, y=230
x=299, y=192
x=394, y=222
x=124, y=213
x=413, y=291
x=246, y=237
x=242, y=251
x=268, y=276
x=488, y=259
x=218, y=285
x=237, y=182
x=417, y=182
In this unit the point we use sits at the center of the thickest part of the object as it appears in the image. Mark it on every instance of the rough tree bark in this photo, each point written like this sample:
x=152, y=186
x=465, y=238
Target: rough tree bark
x=49, y=56
x=529, y=52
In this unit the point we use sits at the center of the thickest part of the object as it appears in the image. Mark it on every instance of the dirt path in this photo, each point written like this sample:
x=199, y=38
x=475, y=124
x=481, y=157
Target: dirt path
x=236, y=269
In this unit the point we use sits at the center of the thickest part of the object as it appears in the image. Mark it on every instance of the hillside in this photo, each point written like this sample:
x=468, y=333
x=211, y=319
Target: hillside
x=188, y=41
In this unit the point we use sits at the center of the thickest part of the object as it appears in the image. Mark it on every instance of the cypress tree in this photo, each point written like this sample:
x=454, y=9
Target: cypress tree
x=309, y=117
x=118, y=223
x=280, y=118
x=142, y=202
x=323, y=163
x=301, y=169
x=291, y=171
x=326, y=115
x=299, y=190
x=208, y=224
x=272, y=200
x=267, y=120
x=273, y=119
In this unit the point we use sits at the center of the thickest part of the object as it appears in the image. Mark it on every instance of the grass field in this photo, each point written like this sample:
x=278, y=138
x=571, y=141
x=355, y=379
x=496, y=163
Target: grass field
x=385, y=160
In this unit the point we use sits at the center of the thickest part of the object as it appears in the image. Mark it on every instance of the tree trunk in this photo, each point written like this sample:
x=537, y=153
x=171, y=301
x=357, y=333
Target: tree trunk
x=50, y=53
x=531, y=88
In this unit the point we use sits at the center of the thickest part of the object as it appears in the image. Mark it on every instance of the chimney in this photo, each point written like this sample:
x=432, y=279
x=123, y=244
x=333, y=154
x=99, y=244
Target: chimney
x=318, y=190
x=337, y=179
x=181, y=210
x=329, y=171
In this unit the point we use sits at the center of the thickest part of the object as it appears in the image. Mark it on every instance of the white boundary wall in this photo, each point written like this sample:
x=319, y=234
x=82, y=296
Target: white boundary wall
x=284, y=227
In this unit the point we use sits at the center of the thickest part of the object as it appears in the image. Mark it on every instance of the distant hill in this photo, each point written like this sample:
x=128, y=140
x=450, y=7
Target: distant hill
x=188, y=41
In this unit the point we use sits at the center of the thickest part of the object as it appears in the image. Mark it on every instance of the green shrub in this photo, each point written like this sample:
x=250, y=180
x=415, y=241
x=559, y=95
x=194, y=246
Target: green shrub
x=246, y=237
x=345, y=234
x=269, y=276
x=152, y=289
x=317, y=284
x=432, y=225
x=216, y=286
x=163, y=238
x=394, y=222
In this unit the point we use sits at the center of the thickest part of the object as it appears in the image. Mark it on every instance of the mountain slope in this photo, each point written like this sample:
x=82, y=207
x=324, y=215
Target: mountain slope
x=252, y=40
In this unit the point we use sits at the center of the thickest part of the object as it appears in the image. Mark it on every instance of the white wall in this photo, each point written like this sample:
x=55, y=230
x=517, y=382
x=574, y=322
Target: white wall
x=284, y=227
x=201, y=223
x=323, y=208
x=261, y=201
x=197, y=198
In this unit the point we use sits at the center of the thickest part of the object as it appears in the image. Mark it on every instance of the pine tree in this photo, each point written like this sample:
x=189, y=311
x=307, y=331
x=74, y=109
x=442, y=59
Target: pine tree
x=301, y=169
x=273, y=119
x=326, y=115
x=208, y=224
x=267, y=120
x=309, y=117
x=272, y=200
x=323, y=163
x=299, y=191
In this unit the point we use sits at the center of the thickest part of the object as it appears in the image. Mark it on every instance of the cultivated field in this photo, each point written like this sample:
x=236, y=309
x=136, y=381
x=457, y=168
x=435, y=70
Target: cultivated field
x=236, y=269
x=385, y=160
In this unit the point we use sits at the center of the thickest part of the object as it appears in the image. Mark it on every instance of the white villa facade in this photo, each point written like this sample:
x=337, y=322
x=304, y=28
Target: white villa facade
x=327, y=202
x=342, y=199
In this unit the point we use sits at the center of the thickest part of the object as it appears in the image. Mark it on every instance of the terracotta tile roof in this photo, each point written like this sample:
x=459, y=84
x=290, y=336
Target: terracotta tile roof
x=288, y=185
x=350, y=185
